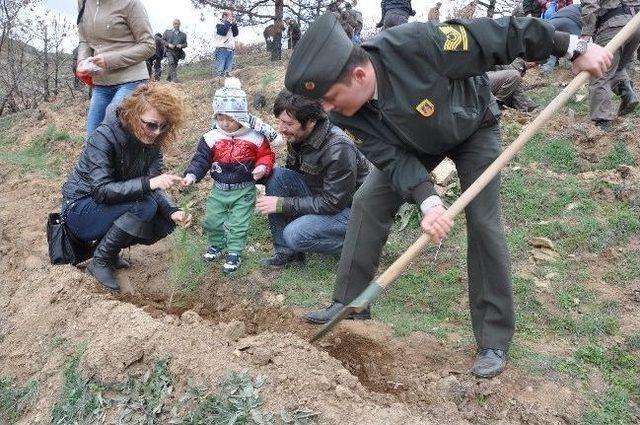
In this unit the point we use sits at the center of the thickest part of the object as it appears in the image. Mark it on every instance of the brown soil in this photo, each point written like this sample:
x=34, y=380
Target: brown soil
x=361, y=373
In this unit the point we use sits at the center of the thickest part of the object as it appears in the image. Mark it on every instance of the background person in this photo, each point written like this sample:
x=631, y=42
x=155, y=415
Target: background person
x=116, y=37
x=225, y=43
x=175, y=41
x=154, y=63
x=293, y=33
x=601, y=21
x=115, y=194
x=395, y=12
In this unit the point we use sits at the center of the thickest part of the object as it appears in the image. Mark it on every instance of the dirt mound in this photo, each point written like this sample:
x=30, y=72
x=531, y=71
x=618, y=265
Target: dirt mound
x=360, y=374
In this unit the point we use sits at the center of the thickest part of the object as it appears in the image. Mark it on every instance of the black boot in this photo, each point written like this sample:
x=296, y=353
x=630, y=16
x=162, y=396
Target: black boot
x=326, y=314
x=280, y=260
x=603, y=125
x=127, y=230
x=629, y=99
x=105, y=257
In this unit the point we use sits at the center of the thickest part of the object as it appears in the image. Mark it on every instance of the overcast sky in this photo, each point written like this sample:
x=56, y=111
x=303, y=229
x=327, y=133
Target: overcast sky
x=162, y=12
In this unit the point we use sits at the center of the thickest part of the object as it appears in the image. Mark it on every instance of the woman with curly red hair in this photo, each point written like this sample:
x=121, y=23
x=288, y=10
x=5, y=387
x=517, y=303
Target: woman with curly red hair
x=116, y=193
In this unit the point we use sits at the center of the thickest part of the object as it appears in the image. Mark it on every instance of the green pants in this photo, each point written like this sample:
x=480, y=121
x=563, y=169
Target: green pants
x=489, y=269
x=230, y=209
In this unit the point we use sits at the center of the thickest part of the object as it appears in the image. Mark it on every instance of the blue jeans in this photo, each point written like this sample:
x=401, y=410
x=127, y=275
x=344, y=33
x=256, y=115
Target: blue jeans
x=323, y=234
x=102, y=97
x=90, y=221
x=223, y=61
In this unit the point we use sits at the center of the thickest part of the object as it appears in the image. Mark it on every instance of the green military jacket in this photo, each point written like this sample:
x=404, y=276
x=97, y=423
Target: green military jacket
x=433, y=93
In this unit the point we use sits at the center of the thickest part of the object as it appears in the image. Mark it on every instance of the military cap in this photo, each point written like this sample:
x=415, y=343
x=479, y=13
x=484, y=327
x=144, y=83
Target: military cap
x=318, y=59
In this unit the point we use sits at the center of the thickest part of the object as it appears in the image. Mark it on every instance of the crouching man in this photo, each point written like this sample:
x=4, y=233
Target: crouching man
x=309, y=200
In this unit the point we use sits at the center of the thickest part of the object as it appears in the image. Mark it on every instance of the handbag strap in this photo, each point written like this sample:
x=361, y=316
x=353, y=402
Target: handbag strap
x=81, y=12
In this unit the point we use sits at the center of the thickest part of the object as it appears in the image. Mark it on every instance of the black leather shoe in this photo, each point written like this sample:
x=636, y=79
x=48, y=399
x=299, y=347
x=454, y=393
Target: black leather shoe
x=603, y=125
x=326, y=314
x=280, y=260
x=489, y=363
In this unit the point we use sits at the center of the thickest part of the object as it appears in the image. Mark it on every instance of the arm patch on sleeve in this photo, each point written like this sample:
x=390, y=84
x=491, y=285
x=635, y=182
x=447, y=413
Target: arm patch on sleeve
x=455, y=38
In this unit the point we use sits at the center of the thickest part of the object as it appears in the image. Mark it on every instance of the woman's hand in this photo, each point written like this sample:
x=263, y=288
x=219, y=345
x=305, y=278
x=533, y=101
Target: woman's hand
x=99, y=61
x=164, y=181
x=181, y=218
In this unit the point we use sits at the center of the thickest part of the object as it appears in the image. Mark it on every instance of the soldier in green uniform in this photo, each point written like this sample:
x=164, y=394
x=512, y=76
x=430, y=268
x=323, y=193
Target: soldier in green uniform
x=410, y=97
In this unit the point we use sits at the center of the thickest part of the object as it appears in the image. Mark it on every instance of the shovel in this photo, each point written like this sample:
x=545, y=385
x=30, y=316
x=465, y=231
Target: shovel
x=378, y=285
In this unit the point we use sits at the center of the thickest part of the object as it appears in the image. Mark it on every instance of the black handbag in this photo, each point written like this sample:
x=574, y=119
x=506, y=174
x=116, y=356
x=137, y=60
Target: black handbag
x=64, y=247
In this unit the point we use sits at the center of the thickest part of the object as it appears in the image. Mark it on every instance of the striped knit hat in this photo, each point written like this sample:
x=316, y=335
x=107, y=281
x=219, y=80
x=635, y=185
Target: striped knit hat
x=231, y=100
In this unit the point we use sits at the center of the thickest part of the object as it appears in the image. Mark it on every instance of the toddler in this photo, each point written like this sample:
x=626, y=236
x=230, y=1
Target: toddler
x=236, y=156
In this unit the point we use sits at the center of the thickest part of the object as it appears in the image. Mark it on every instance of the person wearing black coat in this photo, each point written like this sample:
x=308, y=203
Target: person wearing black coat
x=116, y=192
x=154, y=63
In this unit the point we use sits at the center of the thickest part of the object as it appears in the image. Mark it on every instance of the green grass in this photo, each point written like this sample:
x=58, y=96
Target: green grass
x=15, y=399
x=620, y=371
x=530, y=313
x=618, y=155
x=558, y=153
x=82, y=399
x=187, y=269
x=141, y=399
x=309, y=286
x=530, y=197
x=633, y=341
x=148, y=398
x=544, y=95
x=424, y=300
x=40, y=156
x=237, y=401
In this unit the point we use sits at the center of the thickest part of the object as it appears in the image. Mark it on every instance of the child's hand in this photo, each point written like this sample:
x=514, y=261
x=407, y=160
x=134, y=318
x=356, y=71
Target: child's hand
x=188, y=180
x=259, y=172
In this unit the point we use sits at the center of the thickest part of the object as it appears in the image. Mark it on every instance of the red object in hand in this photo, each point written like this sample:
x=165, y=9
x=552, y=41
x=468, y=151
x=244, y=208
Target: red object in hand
x=85, y=78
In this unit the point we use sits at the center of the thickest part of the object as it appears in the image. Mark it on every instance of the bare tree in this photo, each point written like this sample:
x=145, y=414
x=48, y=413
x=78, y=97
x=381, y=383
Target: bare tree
x=31, y=55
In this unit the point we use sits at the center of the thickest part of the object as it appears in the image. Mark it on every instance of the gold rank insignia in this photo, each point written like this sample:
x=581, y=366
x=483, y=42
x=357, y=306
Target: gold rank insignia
x=456, y=38
x=426, y=108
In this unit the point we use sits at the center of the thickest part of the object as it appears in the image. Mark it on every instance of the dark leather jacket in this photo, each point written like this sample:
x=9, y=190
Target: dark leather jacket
x=332, y=168
x=115, y=167
x=404, y=5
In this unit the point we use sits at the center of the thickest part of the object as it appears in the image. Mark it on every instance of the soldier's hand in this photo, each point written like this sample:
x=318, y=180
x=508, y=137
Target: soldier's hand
x=596, y=60
x=436, y=224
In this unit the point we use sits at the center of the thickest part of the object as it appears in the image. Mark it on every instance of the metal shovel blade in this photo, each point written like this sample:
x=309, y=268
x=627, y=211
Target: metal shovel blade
x=359, y=304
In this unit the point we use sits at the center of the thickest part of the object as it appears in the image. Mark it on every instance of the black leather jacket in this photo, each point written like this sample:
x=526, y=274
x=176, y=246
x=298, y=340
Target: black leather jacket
x=332, y=168
x=404, y=5
x=115, y=167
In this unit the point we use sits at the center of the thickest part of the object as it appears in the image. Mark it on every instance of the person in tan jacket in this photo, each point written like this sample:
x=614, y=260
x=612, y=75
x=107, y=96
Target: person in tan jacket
x=115, y=35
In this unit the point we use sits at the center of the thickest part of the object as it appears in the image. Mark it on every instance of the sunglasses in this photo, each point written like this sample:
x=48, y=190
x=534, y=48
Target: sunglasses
x=154, y=127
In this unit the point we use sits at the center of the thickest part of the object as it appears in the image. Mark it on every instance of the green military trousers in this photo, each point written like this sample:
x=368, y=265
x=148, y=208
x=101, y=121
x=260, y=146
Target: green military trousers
x=600, y=89
x=233, y=210
x=489, y=268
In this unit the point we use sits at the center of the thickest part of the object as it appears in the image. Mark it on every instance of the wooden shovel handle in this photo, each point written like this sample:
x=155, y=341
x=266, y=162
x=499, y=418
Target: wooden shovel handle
x=472, y=191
